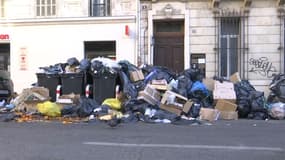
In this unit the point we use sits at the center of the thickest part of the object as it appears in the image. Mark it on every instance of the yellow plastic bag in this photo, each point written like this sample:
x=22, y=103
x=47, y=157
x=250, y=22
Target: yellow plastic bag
x=114, y=103
x=49, y=109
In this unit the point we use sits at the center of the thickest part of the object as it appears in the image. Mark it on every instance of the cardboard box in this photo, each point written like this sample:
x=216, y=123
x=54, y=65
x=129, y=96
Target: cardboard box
x=150, y=95
x=159, y=82
x=228, y=115
x=170, y=97
x=224, y=85
x=159, y=87
x=41, y=90
x=187, y=106
x=224, y=94
x=209, y=114
x=209, y=83
x=177, y=109
x=171, y=108
x=224, y=105
x=235, y=78
x=136, y=75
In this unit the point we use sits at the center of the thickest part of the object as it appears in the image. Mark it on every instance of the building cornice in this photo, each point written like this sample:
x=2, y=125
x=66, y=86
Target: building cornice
x=69, y=20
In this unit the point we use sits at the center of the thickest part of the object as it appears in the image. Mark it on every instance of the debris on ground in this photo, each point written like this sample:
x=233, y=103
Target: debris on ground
x=119, y=92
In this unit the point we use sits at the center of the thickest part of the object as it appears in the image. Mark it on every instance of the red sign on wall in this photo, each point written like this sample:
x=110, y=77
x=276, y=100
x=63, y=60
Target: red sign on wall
x=4, y=37
x=23, y=59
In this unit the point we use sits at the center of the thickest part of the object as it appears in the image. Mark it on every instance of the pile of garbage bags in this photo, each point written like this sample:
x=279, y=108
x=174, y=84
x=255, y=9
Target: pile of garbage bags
x=153, y=94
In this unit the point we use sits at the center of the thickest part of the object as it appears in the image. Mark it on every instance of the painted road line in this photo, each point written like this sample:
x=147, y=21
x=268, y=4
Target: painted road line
x=213, y=147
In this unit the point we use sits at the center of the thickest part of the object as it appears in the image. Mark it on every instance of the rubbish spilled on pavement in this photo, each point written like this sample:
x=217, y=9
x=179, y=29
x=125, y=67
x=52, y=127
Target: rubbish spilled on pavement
x=120, y=92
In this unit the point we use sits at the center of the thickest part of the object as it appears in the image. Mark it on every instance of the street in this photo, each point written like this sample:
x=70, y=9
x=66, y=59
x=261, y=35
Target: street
x=235, y=140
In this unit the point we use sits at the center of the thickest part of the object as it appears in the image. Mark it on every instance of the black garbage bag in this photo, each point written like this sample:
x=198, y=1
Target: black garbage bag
x=243, y=106
x=159, y=73
x=194, y=73
x=84, y=65
x=54, y=69
x=195, y=110
x=258, y=115
x=243, y=90
x=277, y=87
x=126, y=66
x=129, y=89
x=72, y=61
x=97, y=66
x=68, y=110
x=86, y=106
x=161, y=114
x=130, y=117
x=135, y=105
x=257, y=100
x=184, y=84
x=139, y=85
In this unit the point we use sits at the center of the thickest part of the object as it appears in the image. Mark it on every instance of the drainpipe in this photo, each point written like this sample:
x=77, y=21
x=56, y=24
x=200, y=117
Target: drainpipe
x=138, y=41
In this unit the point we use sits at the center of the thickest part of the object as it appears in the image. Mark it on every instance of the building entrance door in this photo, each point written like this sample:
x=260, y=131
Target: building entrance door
x=169, y=45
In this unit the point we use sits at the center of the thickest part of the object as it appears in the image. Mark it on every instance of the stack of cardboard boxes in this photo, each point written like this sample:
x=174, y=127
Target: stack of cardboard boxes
x=175, y=103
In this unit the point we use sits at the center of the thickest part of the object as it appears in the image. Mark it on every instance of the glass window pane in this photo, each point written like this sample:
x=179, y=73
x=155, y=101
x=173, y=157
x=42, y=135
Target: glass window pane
x=48, y=2
x=43, y=11
x=43, y=2
x=233, y=55
x=168, y=27
x=38, y=11
x=224, y=57
x=48, y=10
x=53, y=10
x=38, y=2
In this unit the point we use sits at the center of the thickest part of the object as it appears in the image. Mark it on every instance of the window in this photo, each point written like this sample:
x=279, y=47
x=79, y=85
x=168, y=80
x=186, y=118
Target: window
x=229, y=56
x=45, y=8
x=99, y=8
x=94, y=49
x=200, y=60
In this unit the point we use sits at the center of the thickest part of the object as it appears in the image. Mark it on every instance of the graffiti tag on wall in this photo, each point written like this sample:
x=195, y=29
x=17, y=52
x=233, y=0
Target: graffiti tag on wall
x=263, y=67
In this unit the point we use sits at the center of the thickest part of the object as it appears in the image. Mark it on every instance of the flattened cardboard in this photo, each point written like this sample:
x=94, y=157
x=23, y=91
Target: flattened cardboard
x=171, y=108
x=187, y=106
x=136, y=75
x=224, y=105
x=209, y=83
x=228, y=115
x=150, y=95
x=224, y=94
x=178, y=97
x=224, y=85
x=209, y=114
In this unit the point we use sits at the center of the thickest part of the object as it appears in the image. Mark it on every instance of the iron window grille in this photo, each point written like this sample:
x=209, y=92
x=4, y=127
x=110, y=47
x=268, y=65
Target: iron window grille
x=45, y=8
x=99, y=8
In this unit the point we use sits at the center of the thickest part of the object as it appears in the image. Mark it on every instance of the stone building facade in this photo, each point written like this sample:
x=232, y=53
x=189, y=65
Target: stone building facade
x=221, y=36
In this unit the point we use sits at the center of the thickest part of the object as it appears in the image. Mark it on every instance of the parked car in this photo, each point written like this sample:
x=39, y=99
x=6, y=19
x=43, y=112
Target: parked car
x=6, y=85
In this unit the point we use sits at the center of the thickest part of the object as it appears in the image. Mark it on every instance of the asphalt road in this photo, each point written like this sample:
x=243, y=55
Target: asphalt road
x=221, y=140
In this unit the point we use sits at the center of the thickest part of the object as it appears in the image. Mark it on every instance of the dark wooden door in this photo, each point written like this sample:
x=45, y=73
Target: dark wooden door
x=169, y=45
x=169, y=52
